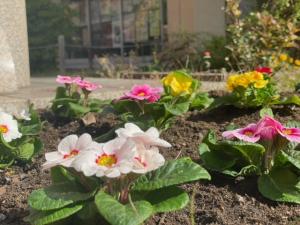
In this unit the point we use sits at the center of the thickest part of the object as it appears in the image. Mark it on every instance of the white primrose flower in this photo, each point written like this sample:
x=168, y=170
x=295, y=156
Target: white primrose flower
x=68, y=149
x=148, y=138
x=111, y=159
x=147, y=160
x=9, y=127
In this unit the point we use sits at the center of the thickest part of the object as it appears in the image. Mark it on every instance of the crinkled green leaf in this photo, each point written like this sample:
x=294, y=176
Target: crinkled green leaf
x=172, y=173
x=56, y=196
x=293, y=157
x=244, y=153
x=201, y=101
x=280, y=185
x=215, y=160
x=177, y=109
x=24, y=152
x=166, y=199
x=49, y=217
x=118, y=214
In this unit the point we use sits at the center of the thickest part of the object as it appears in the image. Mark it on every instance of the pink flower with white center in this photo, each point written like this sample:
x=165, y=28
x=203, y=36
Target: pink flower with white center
x=147, y=138
x=87, y=85
x=9, y=127
x=111, y=159
x=248, y=133
x=67, y=79
x=68, y=149
x=147, y=160
x=144, y=92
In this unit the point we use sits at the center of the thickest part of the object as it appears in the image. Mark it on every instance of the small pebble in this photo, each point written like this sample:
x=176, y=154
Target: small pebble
x=23, y=176
x=2, y=217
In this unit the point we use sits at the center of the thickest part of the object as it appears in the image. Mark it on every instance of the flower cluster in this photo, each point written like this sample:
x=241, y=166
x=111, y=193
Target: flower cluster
x=284, y=58
x=83, y=84
x=144, y=93
x=133, y=150
x=266, y=129
x=245, y=80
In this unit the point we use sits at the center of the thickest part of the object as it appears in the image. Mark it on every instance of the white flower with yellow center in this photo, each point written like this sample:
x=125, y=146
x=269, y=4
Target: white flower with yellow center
x=111, y=159
x=68, y=149
x=148, y=138
x=9, y=127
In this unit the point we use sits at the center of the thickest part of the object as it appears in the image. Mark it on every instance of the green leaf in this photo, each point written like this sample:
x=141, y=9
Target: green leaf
x=25, y=152
x=78, y=110
x=118, y=214
x=266, y=111
x=293, y=100
x=49, y=217
x=280, y=185
x=244, y=153
x=201, y=101
x=56, y=196
x=6, y=160
x=293, y=157
x=172, y=173
x=167, y=199
x=60, y=175
x=215, y=160
x=177, y=109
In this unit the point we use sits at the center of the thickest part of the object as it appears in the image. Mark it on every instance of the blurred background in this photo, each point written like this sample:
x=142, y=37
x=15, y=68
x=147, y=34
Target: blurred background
x=104, y=38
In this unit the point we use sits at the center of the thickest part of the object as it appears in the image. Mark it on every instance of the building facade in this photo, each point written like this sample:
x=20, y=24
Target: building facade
x=118, y=26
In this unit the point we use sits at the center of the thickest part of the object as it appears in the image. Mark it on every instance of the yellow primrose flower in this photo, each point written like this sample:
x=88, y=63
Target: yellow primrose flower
x=297, y=62
x=242, y=81
x=255, y=76
x=231, y=82
x=283, y=57
x=178, y=82
x=261, y=83
x=291, y=60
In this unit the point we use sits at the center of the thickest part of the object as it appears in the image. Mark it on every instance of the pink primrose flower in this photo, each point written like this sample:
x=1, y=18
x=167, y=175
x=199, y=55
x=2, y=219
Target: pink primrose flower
x=144, y=92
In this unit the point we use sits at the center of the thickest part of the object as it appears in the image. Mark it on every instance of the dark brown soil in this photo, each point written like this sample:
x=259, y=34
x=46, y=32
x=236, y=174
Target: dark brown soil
x=221, y=201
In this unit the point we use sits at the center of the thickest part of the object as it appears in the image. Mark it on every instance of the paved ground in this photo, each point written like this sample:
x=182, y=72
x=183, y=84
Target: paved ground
x=42, y=90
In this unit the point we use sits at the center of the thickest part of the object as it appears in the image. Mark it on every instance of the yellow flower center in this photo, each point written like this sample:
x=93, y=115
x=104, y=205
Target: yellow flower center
x=288, y=131
x=107, y=160
x=248, y=133
x=141, y=94
x=3, y=129
x=73, y=153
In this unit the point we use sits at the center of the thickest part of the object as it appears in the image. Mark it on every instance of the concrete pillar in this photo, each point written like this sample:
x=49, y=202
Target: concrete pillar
x=196, y=16
x=14, y=44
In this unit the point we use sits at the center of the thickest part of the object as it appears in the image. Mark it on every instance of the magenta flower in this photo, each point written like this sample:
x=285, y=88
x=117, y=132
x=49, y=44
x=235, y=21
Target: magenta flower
x=291, y=134
x=67, y=79
x=143, y=92
x=87, y=85
x=268, y=127
x=248, y=133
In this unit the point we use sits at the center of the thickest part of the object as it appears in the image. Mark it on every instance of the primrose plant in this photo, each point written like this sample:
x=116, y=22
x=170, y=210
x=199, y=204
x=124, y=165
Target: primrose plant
x=73, y=100
x=123, y=181
x=267, y=149
x=19, y=137
x=252, y=90
x=157, y=106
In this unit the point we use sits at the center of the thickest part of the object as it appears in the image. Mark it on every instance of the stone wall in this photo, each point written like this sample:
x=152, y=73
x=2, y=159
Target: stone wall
x=14, y=57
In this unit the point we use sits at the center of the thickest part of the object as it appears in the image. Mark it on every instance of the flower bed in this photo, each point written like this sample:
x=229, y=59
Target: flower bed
x=143, y=157
x=220, y=201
